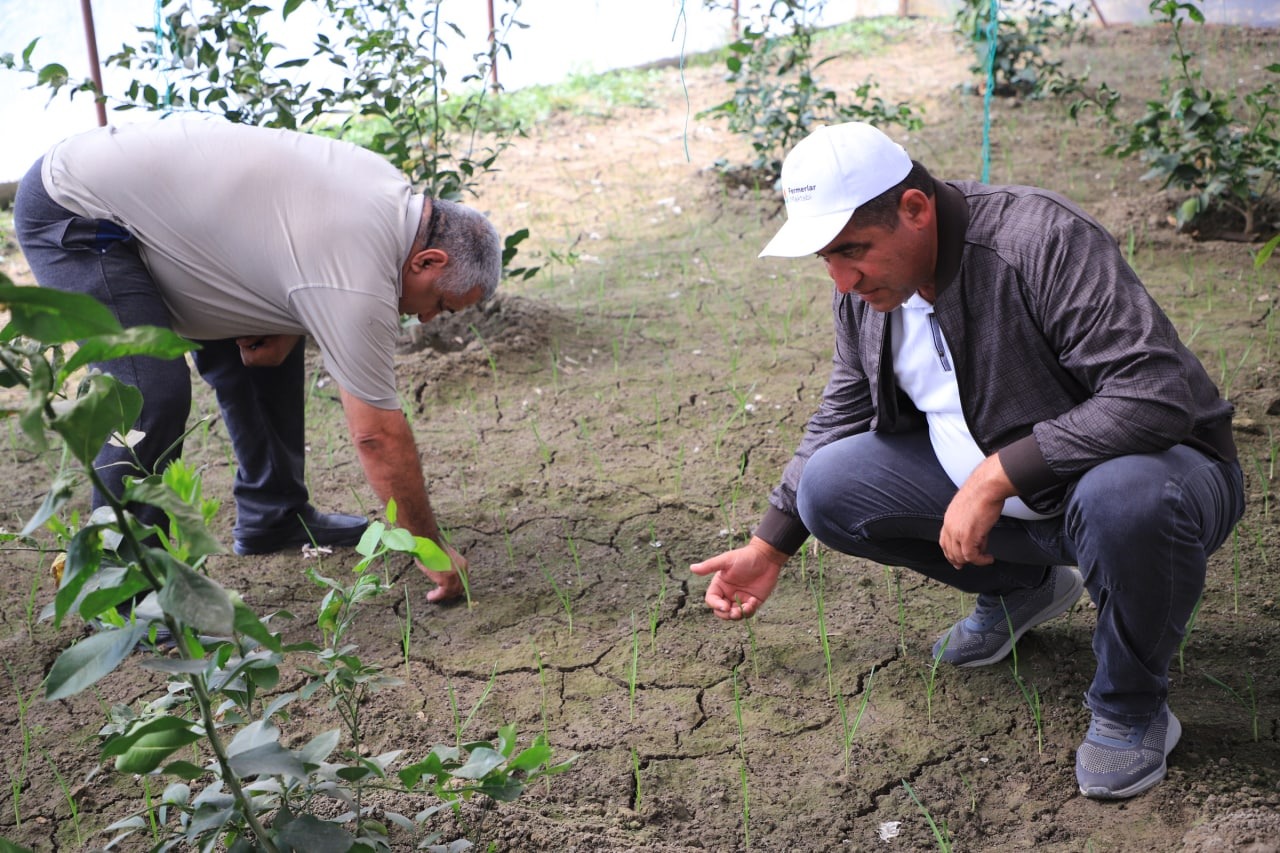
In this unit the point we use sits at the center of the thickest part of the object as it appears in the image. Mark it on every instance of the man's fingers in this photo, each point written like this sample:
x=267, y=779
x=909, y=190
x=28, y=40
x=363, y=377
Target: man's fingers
x=706, y=567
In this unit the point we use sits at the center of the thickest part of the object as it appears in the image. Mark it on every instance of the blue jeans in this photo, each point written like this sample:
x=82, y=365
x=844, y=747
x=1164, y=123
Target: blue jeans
x=1141, y=529
x=262, y=407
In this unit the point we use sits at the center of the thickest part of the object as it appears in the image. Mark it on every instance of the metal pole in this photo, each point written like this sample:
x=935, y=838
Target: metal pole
x=95, y=70
x=1098, y=12
x=493, y=50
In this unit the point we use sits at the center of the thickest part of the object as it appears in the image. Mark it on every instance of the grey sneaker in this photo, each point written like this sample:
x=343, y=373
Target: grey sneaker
x=1118, y=760
x=987, y=634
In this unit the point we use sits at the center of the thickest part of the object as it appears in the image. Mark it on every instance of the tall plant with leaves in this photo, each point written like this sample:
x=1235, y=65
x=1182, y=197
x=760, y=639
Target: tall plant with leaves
x=374, y=75
x=1224, y=148
x=778, y=98
x=130, y=578
x=1025, y=34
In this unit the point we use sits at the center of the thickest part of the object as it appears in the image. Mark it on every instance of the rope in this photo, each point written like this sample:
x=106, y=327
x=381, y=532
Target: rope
x=160, y=43
x=993, y=33
x=688, y=105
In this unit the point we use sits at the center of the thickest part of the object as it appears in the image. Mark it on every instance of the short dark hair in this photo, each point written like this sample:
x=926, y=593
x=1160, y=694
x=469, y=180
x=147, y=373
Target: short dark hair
x=883, y=209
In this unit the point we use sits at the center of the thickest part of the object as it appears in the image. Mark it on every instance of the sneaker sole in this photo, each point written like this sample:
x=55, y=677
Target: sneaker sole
x=1054, y=610
x=1171, y=737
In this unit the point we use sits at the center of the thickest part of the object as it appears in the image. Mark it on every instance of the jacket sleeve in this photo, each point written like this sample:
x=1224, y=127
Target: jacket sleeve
x=846, y=409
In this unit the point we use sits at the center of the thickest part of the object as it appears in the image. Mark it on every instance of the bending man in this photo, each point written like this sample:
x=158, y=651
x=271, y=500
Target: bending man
x=245, y=239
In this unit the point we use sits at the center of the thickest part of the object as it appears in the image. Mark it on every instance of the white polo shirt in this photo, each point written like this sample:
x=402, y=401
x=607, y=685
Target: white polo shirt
x=925, y=371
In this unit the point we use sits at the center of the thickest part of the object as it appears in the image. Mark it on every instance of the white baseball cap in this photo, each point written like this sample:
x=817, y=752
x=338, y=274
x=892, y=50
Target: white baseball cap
x=827, y=176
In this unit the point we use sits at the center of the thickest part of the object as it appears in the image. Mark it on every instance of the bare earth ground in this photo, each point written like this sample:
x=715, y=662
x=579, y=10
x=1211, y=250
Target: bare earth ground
x=624, y=414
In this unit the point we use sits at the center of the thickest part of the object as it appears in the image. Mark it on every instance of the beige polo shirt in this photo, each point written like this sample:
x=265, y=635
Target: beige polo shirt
x=251, y=231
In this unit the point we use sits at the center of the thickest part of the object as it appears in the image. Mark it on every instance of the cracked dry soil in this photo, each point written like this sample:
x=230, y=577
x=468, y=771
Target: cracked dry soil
x=624, y=414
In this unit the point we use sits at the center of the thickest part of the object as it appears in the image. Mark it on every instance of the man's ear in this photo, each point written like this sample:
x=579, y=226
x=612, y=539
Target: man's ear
x=425, y=259
x=915, y=207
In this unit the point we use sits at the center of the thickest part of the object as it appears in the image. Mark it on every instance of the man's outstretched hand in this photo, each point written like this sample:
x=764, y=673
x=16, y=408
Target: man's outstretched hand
x=448, y=584
x=742, y=579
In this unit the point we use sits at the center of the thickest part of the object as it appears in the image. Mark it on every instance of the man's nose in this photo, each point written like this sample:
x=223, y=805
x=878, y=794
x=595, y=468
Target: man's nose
x=846, y=278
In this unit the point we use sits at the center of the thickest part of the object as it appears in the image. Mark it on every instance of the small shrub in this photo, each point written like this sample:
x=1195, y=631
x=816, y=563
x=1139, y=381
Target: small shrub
x=1222, y=148
x=778, y=97
x=1025, y=32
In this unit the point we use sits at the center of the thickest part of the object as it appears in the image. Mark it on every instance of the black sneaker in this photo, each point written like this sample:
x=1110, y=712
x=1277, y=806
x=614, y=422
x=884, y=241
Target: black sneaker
x=304, y=528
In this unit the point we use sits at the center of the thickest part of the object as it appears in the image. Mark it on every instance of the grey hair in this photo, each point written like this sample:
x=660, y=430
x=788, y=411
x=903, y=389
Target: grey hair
x=472, y=244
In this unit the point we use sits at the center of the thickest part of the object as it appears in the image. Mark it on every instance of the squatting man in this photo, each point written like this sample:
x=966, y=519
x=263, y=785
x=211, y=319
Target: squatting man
x=1006, y=403
x=245, y=239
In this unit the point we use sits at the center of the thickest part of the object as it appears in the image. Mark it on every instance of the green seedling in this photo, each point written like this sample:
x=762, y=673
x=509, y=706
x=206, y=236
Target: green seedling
x=493, y=363
x=819, y=596
x=1186, y=634
x=742, y=765
x=655, y=611
x=18, y=779
x=406, y=631
x=751, y=645
x=930, y=681
x=1030, y=694
x=67, y=796
x=1032, y=697
x=635, y=772
x=849, y=728
x=573, y=551
x=543, y=449
x=542, y=702
x=460, y=724
x=1250, y=703
x=940, y=834
x=902, y=612
x=1264, y=481
x=566, y=600
x=973, y=795
x=634, y=673
x=1235, y=570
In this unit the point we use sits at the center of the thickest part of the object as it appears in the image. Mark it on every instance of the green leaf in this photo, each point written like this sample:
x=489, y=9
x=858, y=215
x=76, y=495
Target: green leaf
x=248, y=624
x=109, y=406
x=482, y=761
x=138, y=340
x=309, y=833
x=432, y=765
x=531, y=758
x=269, y=759
x=56, y=498
x=503, y=790
x=184, y=770
x=54, y=74
x=147, y=752
x=431, y=555
x=188, y=523
x=1265, y=252
x=198, y=601
x=320, y=747
x=368, y=543
x=90, y=659
x=120, y=744
x=54, y=317
x=399, y=539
